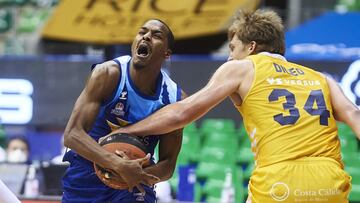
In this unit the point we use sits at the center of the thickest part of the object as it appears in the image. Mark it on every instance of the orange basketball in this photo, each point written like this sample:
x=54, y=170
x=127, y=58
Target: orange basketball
x=132, y=146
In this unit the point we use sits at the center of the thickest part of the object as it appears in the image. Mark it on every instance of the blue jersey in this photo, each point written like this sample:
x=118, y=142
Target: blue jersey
x=126, y=106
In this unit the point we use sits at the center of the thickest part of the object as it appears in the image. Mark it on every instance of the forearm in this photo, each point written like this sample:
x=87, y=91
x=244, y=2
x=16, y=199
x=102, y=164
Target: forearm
x=353, y=120
x=163, y=170
x=177, y=115
x=344, y=110
x=349, y=114
x=163, y=121
x=85, y=146
x=174, y=116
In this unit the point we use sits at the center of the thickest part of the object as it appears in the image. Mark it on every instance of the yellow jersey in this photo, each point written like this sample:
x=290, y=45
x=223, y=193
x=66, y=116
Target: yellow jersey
x=287, y=113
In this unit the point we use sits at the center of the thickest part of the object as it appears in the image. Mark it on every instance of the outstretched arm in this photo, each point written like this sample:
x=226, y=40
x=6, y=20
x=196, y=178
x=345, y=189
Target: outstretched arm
x=344, y=109
x=224, y=82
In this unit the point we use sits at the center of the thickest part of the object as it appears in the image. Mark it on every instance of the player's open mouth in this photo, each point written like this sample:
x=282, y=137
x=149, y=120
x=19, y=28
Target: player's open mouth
x=143, y=50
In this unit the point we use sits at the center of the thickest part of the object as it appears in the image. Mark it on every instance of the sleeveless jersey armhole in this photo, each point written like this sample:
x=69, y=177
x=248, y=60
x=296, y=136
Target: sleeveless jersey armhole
x=114, y=93
x=252, y=83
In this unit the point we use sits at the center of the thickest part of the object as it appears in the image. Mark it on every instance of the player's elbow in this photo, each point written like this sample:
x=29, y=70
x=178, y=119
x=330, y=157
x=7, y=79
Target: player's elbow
x=354, y=118
x=350, y=115
x=356, y=113
x=170, y=168
x=69, y=138
x=167, y=175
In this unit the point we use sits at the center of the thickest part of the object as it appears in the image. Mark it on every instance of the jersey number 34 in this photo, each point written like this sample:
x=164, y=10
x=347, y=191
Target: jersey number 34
x=316, y=96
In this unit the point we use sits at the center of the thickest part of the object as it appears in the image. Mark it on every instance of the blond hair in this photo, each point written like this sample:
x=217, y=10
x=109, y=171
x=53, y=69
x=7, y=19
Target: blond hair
x=262, y=26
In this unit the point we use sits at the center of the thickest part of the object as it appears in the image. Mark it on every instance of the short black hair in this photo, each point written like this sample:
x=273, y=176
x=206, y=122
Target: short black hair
x=170, y=36
x=18, y=137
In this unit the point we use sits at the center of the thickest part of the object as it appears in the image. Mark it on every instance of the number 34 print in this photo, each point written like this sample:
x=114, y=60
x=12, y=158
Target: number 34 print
x=315, y=96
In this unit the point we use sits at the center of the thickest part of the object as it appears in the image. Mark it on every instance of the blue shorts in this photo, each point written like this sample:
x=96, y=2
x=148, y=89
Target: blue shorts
x=81, y=185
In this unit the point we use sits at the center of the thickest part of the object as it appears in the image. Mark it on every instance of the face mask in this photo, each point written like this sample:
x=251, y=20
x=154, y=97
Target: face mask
x=17, y=156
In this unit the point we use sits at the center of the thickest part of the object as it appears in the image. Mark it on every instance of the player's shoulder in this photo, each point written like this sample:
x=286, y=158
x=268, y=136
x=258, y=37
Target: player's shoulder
x=312, y=71
x=113, y=66
x=107, y=70
x=236, y=63
x=238, y=66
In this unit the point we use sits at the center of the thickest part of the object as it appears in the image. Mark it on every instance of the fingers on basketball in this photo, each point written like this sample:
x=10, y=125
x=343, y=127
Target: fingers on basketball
x=122, y=154
x=144, y=160
x=127, y=147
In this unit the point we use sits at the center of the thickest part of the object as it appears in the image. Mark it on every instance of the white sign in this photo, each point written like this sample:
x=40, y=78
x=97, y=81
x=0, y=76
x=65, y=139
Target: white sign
x=16, y=104
x=350, y=82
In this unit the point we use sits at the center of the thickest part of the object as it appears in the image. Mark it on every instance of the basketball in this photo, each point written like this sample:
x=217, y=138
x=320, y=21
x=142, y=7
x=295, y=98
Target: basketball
x=132, y=146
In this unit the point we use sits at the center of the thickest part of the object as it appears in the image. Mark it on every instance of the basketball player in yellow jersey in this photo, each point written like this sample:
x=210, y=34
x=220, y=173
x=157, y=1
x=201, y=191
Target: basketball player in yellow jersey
x=289, y=112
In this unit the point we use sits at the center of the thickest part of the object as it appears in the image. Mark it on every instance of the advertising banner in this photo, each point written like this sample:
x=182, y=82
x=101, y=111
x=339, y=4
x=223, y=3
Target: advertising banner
x=117, y=21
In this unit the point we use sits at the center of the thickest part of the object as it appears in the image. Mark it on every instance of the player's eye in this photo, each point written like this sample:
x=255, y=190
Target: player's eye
x=158, y=36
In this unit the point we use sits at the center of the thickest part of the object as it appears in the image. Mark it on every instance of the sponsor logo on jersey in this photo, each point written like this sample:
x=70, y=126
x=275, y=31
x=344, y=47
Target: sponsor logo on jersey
x=123, y=95
x=119, y=109
x=279, y=81
x=139, y=196
x=279, y=191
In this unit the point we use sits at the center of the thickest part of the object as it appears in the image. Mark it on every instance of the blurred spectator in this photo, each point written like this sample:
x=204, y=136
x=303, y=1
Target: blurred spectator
x=17, y=150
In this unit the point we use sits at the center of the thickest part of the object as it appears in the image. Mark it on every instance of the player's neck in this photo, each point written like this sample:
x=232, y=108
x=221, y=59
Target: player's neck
x=145, y=79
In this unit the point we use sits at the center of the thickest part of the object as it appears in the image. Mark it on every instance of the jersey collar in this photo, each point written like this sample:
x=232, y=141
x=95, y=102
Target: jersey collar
x=278, y=56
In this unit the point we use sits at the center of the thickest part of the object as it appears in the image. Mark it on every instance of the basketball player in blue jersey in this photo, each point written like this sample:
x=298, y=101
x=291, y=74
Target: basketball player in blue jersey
x=289, y=112
x=121, y=92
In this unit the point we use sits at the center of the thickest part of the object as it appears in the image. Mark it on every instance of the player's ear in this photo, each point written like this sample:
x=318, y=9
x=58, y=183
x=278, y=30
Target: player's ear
x=168, y=54
x=252, y=47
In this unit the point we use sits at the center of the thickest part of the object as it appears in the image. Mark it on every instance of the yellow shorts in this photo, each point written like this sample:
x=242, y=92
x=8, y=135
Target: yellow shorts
x=310, y=179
